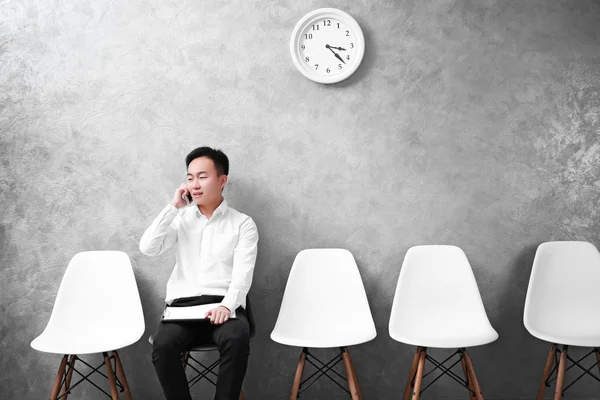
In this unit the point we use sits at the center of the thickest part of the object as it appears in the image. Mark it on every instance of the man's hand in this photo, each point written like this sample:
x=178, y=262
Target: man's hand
x=218, y=315
x=178, y=201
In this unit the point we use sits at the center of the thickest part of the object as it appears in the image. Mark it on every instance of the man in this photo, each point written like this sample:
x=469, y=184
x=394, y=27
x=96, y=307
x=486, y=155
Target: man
x=215, y=254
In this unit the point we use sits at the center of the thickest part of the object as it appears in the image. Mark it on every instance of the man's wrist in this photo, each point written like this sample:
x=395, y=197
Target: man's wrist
x=227, y=307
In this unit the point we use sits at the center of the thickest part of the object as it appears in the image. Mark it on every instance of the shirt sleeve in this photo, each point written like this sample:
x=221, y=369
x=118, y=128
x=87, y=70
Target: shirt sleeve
x=244, y=259
x=162, y=234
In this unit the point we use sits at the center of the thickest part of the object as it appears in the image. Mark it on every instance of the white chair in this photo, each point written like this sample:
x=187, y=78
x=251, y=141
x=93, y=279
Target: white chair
x=563, y=306
x=97, y=310
x=437, y=304
x=324, y=305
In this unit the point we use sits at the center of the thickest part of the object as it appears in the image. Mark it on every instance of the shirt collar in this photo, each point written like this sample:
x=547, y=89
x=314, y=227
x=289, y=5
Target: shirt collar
x=221, y=209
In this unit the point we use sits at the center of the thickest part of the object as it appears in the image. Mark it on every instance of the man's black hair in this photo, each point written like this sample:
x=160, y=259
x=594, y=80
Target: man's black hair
x=219, y=158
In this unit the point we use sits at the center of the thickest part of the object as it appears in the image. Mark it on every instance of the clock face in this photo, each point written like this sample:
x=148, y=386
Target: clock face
x=330, y=44
x=327, y=45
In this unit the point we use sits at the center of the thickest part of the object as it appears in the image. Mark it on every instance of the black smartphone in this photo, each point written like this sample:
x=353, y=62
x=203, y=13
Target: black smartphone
x=188, y=198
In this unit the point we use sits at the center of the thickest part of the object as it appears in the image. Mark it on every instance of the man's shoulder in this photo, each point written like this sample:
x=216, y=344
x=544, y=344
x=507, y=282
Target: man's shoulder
x=244, y=224
x=239, y=216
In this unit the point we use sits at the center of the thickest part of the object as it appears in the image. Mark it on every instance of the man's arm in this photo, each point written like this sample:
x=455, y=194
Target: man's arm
x=162, y=234
x=244, y=259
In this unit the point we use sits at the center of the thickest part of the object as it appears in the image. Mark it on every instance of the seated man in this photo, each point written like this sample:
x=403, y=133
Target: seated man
x=216, y=250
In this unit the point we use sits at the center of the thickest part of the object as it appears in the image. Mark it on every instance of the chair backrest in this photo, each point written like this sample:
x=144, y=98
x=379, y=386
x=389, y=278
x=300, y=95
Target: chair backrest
x=563, y=297
x=98, y=298
x=437, y=295
x=324, y=303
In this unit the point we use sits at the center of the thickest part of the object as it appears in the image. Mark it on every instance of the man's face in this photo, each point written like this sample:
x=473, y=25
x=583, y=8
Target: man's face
x=203, y=182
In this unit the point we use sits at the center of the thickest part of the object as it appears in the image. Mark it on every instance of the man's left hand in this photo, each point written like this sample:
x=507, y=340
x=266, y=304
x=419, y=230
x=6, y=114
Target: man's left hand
x=218, y=315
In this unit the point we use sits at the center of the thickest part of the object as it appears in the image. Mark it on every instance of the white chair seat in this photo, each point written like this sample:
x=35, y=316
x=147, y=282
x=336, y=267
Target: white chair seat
x=89, y=339
x=324, y=304
x=329, y=337
x=437, y=302
x=570, y=340
x=447, y=340
x=97, y=308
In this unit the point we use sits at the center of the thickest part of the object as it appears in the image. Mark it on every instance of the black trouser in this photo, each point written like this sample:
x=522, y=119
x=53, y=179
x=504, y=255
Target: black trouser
x=173, y=338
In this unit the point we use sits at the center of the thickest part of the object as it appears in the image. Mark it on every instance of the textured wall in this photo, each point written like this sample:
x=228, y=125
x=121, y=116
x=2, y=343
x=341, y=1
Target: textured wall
x=468, y=123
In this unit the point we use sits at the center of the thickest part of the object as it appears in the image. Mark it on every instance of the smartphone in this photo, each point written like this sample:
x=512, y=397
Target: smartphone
x=188, y=198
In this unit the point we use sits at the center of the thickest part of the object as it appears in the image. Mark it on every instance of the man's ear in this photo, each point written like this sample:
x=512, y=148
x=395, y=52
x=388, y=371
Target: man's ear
x=224, y=179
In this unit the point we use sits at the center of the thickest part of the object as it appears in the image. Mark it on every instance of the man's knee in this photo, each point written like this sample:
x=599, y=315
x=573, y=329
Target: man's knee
x=164, y=349
x=237, y=341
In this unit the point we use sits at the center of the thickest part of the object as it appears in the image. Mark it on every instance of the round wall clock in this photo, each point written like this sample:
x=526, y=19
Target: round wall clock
x=327, y=45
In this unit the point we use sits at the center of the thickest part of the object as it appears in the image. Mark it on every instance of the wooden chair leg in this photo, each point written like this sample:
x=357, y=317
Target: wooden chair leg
x=416, y=393
x=472, y=376
x=111, y=377
x=349, y=374
x=545, y=376
x=467, y=378
x=298, y=377
x=411, y=374
x=59, y=377
x=121, y=375
x=560, y=379
x=67, y=385
x=360, y=396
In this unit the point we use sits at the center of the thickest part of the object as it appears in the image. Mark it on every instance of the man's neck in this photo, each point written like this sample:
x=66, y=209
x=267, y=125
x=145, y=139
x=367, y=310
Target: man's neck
x=208, y=209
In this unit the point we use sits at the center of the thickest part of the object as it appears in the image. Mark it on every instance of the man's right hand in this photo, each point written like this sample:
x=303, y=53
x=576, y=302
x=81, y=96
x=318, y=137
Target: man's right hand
x=178, y=201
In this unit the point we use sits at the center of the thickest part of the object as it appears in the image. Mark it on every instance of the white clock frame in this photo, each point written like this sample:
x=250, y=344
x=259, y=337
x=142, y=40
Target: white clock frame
x=319, y=15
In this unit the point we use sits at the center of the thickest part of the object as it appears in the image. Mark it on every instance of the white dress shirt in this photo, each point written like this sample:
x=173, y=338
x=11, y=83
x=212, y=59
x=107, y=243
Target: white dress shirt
x=214, y=256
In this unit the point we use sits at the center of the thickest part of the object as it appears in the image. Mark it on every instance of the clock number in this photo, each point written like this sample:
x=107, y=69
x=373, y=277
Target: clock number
x=348, y=57
x=339, y=66
x=327, y=22
x=307, y=59
x=328, y=70
x=316, y=67
x=315, y=27
x=303, y=47
x=308, y=35
x=347, y=33
x=338, y=25
x=351, y=45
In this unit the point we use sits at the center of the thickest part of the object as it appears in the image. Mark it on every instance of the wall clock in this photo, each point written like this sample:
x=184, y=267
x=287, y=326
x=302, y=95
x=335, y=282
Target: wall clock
x=327, y=45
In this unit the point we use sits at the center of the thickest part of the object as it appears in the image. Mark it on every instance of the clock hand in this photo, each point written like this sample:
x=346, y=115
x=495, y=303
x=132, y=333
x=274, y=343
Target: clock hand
x=340, y=58
x=336, y=54
x=337, y=48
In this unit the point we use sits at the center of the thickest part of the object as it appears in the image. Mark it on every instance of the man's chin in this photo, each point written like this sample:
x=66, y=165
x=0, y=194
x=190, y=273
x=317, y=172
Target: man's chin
x=205, y=201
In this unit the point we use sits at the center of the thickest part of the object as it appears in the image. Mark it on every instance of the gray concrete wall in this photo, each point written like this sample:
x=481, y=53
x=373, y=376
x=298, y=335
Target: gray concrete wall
x=468, y=123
